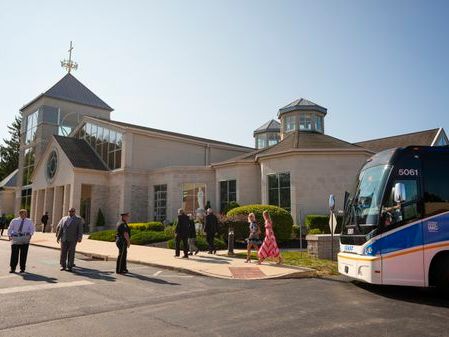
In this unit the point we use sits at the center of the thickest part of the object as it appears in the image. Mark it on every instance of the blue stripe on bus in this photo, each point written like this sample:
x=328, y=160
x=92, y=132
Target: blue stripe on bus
x=427, y=231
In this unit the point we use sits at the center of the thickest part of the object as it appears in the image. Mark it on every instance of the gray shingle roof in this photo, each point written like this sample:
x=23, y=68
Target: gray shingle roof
x=415, y=138
x=270, y=126
x=72, y=90
x=302, y=104
x=80, y=153
x=175, y=134
x=10, y=180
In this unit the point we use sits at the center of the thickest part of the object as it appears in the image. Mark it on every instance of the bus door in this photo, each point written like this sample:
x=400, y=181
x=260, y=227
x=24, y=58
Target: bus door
x=402, y=235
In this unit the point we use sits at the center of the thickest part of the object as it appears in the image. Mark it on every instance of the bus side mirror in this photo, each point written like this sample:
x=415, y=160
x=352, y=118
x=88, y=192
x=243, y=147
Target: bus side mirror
x=399, y=192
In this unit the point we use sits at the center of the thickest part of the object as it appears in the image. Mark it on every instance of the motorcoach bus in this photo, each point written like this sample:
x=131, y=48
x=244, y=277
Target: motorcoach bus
x=396, y=222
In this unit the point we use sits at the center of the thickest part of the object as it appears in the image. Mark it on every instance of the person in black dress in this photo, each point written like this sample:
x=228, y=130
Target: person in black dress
x=123, y=241
x=182, y=234
x=44, y=221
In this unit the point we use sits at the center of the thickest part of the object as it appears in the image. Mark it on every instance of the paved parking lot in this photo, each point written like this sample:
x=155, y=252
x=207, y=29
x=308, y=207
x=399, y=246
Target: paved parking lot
x=93, y=301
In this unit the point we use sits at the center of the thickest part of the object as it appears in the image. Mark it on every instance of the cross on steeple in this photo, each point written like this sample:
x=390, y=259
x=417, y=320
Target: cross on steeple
x=69, y=64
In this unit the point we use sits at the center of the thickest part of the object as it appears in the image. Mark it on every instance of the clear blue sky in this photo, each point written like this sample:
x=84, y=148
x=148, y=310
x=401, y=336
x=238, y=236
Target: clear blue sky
x=220, y=69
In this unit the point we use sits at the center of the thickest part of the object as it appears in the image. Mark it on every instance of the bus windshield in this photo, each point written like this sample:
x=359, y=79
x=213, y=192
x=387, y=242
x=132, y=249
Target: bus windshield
x=364, y=206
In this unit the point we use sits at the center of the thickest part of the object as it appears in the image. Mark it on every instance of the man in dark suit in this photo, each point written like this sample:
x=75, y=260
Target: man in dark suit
x=182, y=234
x=69, y=231
x=211, y=228
x=44, y=221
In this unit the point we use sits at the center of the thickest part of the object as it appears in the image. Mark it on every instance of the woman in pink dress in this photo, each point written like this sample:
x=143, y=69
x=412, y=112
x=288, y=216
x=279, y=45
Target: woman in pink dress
x=269, y=246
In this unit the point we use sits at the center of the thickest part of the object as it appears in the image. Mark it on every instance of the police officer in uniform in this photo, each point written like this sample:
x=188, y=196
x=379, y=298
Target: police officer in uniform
x=123, y=241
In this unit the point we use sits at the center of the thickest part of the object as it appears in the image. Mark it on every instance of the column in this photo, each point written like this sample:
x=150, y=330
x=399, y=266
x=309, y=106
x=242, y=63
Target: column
x=66, y=202
x=48, y=206
x=58, y=198
x=33, y=210
x=75, y=196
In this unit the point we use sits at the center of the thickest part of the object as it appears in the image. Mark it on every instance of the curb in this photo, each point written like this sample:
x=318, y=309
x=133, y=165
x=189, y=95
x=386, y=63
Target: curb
x=309, y=273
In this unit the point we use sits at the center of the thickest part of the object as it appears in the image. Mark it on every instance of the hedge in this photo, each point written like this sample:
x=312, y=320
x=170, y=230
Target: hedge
x=321, y=222
x=107, y=235
x=282, y=221
x=201, y=243
x=154, y=226
x=146, y=237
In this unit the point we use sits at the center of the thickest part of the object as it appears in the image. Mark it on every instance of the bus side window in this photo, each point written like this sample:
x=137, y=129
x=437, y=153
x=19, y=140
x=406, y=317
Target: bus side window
x=393, y=213
x=436, y=184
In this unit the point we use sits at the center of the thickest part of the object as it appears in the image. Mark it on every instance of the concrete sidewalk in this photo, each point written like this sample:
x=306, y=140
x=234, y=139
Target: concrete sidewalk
x=201, y=264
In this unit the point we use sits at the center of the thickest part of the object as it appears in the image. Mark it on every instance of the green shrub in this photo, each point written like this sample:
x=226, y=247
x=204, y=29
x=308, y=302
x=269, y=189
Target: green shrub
x=9, y=217
x=100, y=219
x=296, y=231
x=154, y=226
x=201, y=243
x=146, y=237
x=314, y=231
x=170, y=231
x=282, y=220
x=107, y=235
x=321, y=222
x=230, y=206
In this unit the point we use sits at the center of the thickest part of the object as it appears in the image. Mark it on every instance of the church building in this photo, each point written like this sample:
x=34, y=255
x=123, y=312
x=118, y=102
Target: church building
x=73, y=154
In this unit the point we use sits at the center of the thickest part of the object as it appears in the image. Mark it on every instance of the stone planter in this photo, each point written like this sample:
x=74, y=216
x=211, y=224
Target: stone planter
x=319, y=245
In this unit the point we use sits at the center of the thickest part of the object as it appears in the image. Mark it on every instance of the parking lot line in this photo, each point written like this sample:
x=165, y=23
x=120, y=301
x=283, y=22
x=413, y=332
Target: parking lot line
x=44, y=287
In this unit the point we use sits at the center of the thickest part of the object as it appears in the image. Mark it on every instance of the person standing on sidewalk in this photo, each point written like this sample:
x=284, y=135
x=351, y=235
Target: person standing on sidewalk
x=253, y=240
x=44, y=221
x=269, y=246
x=69, y=232
x=211, y=228
x=192, y=236
x=3, y=223
x=182, y=234
x=123, y=242
x=20, y=231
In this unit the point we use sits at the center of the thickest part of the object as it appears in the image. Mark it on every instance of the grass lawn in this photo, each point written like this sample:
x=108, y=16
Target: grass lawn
x=302, y=259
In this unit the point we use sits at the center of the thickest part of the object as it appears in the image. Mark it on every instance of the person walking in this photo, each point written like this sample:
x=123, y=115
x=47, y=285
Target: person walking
x=211, y=228
x=269, y=246
x=182, y=234
x=123, y=242
x=192, y=236
x=44, y=221
x=253, y=240
x=69, y=232
x=3, y=223
x=20, y=231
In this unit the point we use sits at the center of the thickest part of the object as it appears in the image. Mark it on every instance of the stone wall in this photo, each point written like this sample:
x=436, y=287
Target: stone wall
x=320, y=246
x=112, y=211
x=139, y=203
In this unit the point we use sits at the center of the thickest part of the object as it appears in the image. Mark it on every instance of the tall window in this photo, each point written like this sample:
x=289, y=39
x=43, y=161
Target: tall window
x=279, y=190
x=25, y=201
x=31, y=127
x=28, y=166
x=290, y=123
x=160, y=202
x=319, y=123
x=107, y=143
x=228, y=193
x=273, y=139
x=260, y=141
x=193, y=197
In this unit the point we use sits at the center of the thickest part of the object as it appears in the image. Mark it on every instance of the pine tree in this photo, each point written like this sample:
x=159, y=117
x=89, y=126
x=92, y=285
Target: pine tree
x=9, y=152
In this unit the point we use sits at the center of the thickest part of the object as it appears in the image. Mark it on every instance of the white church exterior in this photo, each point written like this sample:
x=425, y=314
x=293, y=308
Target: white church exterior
x=74, y=155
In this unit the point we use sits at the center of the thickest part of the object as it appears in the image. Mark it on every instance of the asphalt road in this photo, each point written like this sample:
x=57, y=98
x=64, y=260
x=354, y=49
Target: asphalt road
x=93, y=301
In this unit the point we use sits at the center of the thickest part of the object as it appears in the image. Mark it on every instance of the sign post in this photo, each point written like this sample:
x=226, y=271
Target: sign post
x=331, y=222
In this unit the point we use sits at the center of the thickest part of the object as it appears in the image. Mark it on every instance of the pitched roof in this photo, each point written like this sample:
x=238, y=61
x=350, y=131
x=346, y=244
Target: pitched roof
x=297, y=140
x=302, y=104
x=80, y=153
x=415, y=138
x=72, y=90
x=170, y=133
x=10, y=181
x=306, y=140
x=270, y=126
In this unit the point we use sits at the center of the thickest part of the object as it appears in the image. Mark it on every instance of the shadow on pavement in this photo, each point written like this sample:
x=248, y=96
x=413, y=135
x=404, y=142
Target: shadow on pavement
x=94, y=274
x=426, y=296
x=150, y=279
x=38, y=278
x=211, y=259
